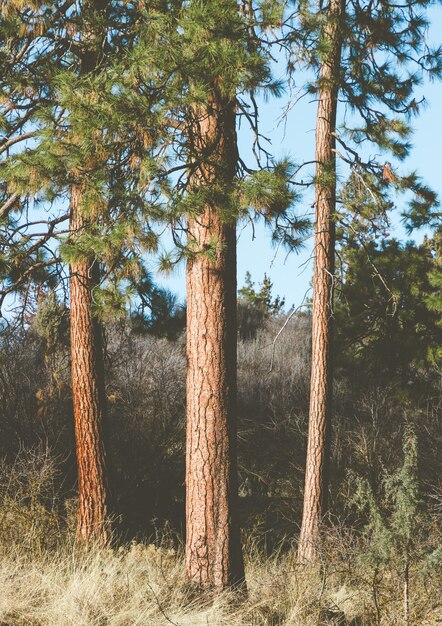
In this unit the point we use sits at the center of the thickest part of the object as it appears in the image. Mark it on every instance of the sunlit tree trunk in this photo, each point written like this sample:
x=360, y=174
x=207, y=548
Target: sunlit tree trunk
x=316, y=474
x=87, y=362
x=88, y=392
x=213, y=550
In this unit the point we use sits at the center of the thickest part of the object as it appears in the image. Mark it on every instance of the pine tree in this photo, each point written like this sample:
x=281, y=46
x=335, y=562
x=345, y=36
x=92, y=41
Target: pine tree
x=209, y=58
x=232, y=64
x=316, y=469
x=87, y=365
x=88, y=142
x=379, y=89
x=64, y=51
x=255, y=307
x=213, y=552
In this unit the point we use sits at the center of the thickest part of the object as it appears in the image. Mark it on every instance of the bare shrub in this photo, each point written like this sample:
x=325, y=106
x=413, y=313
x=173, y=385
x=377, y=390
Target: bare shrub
x=29, y=505
x=146, y=394
x=273, y=383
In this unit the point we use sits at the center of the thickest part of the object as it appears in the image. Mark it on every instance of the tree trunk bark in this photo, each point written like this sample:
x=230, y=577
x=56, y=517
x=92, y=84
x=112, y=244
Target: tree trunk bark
x=316, y=474
x=213, y=550
x=88, y=391
x=87, y=363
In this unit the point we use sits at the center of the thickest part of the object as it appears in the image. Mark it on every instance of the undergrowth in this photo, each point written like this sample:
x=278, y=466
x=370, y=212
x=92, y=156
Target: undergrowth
x=46, y=579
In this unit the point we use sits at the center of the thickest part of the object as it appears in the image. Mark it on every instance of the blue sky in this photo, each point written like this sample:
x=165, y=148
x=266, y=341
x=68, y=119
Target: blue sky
x=291, y=274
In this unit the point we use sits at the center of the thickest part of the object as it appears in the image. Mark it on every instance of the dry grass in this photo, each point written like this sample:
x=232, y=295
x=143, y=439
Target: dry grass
x=46, y=580
x=141, y=584
x=145, y=585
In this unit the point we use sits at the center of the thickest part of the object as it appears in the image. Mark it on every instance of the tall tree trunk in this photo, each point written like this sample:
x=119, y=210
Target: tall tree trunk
x=87, y=363
x=213, y=550
x=316, y=474
x=88, y=390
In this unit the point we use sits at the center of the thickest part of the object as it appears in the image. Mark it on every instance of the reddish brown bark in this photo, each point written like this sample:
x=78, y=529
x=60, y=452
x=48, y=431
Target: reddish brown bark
x=316, y=473
x=213, y=550
x=88, y=392
x=88, y=387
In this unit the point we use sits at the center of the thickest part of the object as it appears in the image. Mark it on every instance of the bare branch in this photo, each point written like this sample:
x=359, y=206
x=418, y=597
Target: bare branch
x=8, y=205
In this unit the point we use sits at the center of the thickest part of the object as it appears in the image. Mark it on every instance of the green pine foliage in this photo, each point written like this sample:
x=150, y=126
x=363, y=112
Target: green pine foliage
x=122, y=130
x=384, y=326
x=263, y=298
x=396, y=525
x=257, y=306
x=385, y=56
x=210, y=49
x=80, y=136
x=434, y=297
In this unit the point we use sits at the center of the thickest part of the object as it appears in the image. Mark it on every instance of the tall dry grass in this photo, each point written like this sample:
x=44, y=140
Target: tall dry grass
x=145, y=585
x=47, y=580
